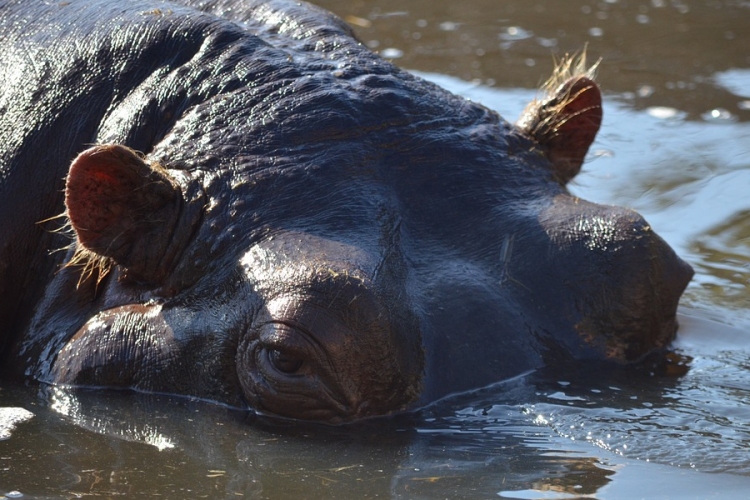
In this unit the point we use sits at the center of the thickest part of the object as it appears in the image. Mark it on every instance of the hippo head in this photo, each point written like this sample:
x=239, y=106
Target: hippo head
x=354, y=244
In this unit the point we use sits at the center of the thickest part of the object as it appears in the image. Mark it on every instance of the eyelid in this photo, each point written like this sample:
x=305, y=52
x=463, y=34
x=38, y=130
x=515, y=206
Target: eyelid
x=286, y=337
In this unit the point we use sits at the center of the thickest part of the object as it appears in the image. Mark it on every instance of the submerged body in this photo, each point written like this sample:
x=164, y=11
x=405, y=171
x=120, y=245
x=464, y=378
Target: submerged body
x=309, y=231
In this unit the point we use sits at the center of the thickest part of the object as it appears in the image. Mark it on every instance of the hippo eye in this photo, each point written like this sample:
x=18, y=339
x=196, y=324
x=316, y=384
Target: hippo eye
x=283, y=362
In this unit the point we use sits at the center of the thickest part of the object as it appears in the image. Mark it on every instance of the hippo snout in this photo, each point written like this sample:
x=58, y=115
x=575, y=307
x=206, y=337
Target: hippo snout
x=622, y=281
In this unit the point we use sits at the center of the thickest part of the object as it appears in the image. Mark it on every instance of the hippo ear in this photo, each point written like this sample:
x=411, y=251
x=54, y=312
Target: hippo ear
x=565, y=123
x=123, y=208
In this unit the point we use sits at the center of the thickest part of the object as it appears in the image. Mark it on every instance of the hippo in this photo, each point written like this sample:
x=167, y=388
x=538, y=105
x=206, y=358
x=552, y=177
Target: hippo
x=237, y=201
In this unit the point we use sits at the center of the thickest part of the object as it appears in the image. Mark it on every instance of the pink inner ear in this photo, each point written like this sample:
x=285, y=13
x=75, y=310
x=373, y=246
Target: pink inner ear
x=97, y=189
x=115, y=199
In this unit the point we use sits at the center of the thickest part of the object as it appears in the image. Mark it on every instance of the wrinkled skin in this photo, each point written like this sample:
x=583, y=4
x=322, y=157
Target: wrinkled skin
x=309, y=232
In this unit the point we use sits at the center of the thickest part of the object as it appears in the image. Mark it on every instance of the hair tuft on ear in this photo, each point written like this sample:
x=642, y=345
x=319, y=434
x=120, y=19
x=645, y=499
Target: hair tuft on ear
x=566, y=120
x=123, y=210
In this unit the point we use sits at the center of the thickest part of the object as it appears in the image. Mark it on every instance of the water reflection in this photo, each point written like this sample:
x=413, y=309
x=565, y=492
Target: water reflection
x=561, y=431
x=476, y=450
x=10, y=417
x=724, y=262
x=98, y=419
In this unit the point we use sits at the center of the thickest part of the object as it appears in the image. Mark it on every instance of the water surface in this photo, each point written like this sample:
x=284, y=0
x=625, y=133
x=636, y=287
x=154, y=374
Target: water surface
x=675, y=145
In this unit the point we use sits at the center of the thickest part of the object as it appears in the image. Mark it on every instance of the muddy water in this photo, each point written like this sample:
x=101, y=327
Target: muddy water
x=675, y=145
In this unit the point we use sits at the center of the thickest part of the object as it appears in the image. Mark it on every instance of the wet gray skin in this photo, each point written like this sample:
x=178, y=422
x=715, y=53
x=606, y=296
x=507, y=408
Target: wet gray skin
x=309, y=231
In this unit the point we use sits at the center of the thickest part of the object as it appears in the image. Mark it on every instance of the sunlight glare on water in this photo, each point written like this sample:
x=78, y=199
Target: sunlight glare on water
x=10, y=417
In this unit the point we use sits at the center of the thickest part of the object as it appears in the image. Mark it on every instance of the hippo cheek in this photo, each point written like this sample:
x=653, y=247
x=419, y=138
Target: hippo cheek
x=123, y=347
x=618, y=281
x=475, y=333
